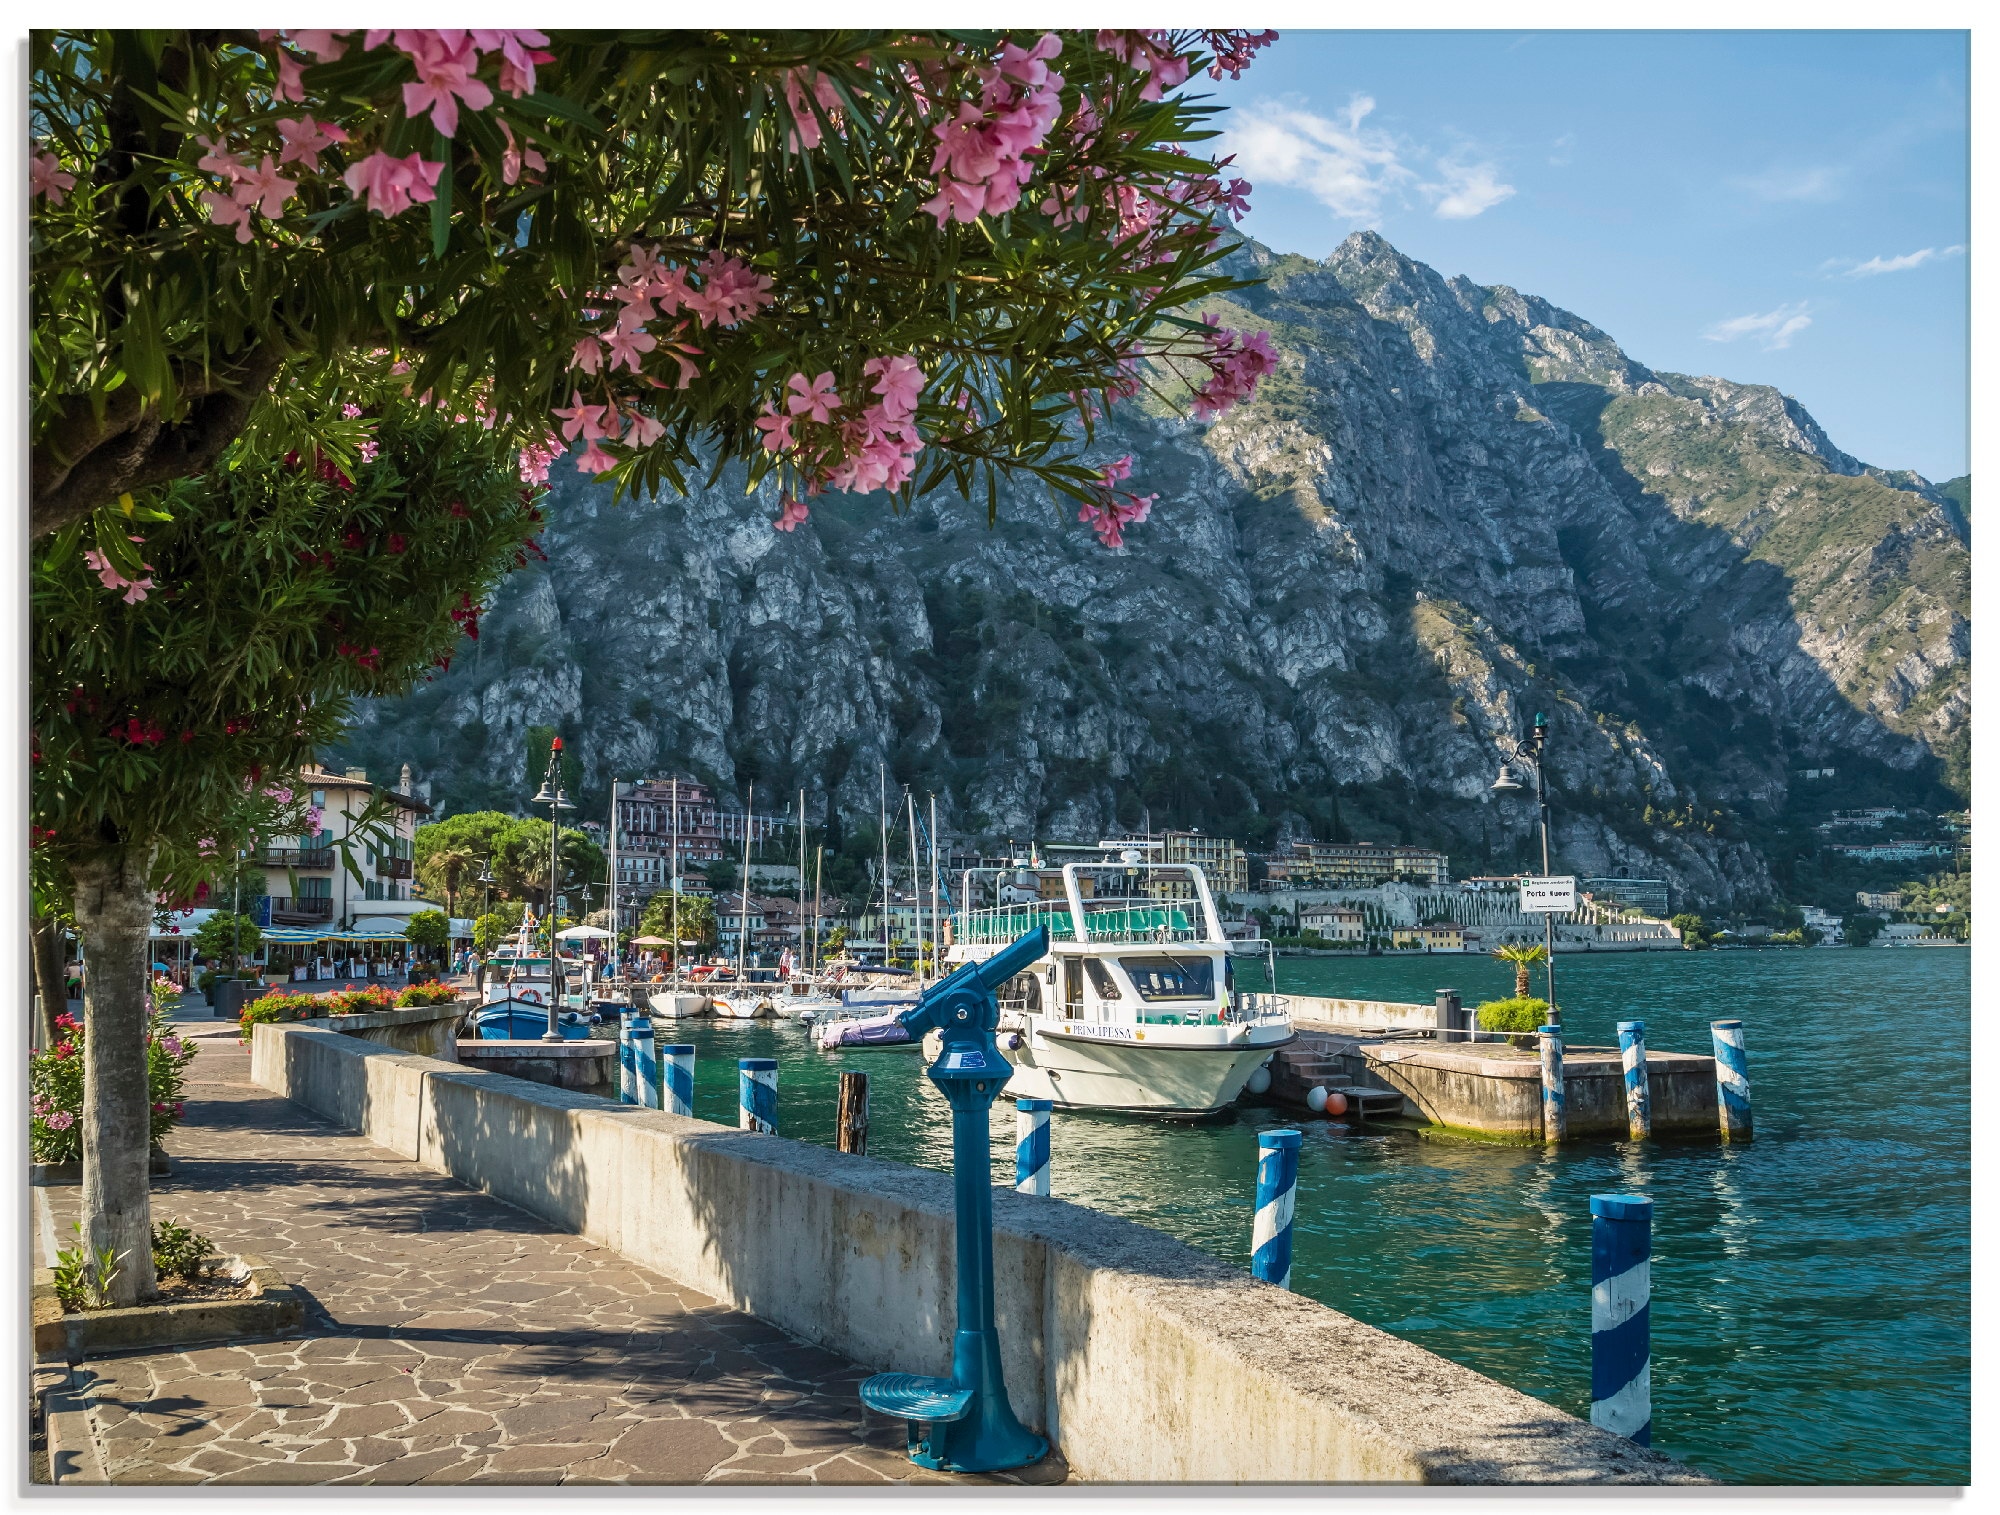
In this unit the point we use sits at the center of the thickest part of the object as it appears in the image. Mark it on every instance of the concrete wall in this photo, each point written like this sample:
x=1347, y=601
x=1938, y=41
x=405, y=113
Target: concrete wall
x=430, y=1030
x=1142, y=1358
x=1362, y=1014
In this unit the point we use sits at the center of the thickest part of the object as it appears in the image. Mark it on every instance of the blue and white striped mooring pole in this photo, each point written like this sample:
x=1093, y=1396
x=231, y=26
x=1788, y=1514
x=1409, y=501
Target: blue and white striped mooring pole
x=645, y=1064
x=1638, y=1093
x=1277, y=1191
x=1621, y=1317
x=1555, y=1119
x=1732, y=1080
x=1031, y=1145
x=757, y=1094
x=628, y=1072
x=677, y=1078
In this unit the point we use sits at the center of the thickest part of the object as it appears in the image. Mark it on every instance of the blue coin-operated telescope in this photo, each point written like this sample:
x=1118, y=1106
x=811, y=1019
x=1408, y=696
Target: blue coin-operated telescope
x=964, y=1424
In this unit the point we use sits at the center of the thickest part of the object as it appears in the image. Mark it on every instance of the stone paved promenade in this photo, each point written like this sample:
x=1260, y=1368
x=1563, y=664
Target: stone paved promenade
x=453, y=1340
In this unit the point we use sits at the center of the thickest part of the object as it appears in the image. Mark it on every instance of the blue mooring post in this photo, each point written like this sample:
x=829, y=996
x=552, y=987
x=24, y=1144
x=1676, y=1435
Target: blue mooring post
x=1555, y=1118
x=1031, y=1145
x=757, y=1094
x=1638, y=1093
x=964, y=1423
x=645, y=1064
x=1621, y=1316
x=1277, y=1196
x=628, y=1073
x=1732, y=1080
x=677, y=1078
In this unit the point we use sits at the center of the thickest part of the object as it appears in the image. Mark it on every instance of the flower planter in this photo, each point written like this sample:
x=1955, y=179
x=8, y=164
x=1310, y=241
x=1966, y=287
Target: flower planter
x=271, y=1307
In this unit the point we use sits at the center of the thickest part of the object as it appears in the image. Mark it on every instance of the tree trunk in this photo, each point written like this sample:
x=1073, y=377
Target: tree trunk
x=53, y=993
x=114, y=911
x=1520, y=981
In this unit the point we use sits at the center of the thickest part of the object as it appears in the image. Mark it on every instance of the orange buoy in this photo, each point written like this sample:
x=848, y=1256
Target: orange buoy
x=1336, y=1102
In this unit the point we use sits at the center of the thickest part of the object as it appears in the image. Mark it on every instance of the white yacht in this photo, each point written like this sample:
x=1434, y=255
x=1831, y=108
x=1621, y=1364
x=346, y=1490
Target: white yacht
x=1135, y=1007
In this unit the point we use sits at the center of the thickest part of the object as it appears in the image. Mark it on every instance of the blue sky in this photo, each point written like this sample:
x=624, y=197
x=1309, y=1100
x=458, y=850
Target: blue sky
x=1785, y=208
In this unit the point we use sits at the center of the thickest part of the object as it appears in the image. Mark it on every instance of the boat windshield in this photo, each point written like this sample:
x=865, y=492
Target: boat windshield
x=1164, y=978
x=522, y=964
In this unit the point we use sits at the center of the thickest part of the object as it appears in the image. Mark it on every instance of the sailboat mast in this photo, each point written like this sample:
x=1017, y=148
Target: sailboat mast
x=882, y=816
x=802, y=876
x=916, y=886
x=674, y=873
x=819, y=863
x=936, y=907
x=743, y=908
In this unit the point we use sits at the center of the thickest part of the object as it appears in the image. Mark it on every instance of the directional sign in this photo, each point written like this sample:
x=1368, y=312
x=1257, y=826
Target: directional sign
x=1548, y=896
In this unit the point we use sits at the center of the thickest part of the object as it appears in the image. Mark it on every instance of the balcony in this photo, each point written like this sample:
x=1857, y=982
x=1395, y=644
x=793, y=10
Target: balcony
x=295, y=857
x=291, y=911
x=392, y=867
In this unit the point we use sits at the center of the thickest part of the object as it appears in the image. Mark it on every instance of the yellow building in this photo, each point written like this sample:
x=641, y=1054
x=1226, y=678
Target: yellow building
x=1221, y=858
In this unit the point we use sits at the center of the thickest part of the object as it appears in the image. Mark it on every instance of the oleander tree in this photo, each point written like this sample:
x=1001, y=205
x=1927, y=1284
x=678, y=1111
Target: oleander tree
x=170, y=708
x=858, y=260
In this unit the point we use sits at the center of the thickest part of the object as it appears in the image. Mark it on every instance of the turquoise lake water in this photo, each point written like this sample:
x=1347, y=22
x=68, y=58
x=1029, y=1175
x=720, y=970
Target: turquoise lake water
x=1811, y=1290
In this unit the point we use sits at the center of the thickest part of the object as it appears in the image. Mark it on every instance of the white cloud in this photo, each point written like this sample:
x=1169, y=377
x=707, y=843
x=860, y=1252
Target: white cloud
x=1355, y=170
x=1773, y=330
x=1468, y=189
x=1794, y=184
x=1881, y=265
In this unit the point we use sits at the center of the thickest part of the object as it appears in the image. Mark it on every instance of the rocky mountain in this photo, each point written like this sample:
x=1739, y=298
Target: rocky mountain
x=1450, y=507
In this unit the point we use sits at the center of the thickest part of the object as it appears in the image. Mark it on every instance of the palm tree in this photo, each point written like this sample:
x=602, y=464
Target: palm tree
x=448, y=870
x=1523, y=958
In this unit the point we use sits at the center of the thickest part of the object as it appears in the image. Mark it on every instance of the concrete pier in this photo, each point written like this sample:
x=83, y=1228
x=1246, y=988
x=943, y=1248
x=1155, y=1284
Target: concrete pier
x=1495, y=1089
x=589, y=1067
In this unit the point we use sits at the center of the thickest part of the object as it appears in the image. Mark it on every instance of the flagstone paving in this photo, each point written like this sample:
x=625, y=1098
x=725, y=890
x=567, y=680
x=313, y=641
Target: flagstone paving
x=452, y=1339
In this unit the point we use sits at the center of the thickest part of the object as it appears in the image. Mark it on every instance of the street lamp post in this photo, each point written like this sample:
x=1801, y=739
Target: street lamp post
x=1530, y=751
x=551, y=794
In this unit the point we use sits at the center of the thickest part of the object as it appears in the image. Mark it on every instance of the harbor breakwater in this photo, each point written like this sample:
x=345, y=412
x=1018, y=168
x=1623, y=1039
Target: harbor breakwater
x=1141, y=1358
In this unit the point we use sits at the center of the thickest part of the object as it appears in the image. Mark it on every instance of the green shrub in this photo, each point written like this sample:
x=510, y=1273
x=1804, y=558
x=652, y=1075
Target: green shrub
x=55, y=1088
x=181, y=1252
x=83, y=1278
x=1516, y=1013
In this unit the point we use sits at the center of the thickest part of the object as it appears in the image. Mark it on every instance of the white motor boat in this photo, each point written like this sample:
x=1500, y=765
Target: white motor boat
x=1135, y=1006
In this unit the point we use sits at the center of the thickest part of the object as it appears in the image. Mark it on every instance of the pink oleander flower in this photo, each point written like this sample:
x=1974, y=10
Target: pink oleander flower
x=816, y=398
x=588, y=354
x=792, y=517
x=325, y=46
x=305, y=139
x=218, y=158
x=367, y=449
x=263, y=189
x=224, y=210
x=983, y=156
x=351, y=411
x=314, y=818
x=46, y=177
x=777, y=430
x=643, y=430
x=59, y=1120
x=899, y=381
x=1114, y=509
x=110, y=578
x=392, y=185
x=589, y=422
x=805, y=132
x=535, y=460
x=1151, y=54
x=171, y=1045
x=519, y=52
x=517, y=157
x=628, y=346
x=445, y=77
x=594, y=460
x=291, y=78
x=1235, y=365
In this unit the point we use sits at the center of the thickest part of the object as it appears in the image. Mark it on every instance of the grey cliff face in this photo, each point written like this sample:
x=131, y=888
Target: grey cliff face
x=1451, y=506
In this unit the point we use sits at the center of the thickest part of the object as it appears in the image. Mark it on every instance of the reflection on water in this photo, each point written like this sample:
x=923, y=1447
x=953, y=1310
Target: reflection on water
x=1810, y=1290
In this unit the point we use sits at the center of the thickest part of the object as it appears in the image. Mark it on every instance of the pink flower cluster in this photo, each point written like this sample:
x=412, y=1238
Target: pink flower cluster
x=248, y=191
x=984, y=150
x=1165, y=57
x=59, y=1120
x=536, y=458
x=46, y=177
x=651, y=290
x=875, y=447
x=1235, y=364
x=805, y=132
x=1113, y=509
x=111, y=578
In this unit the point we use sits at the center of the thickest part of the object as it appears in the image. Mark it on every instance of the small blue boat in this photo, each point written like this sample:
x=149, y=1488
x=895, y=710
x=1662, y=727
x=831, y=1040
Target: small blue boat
x=517, y=1004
